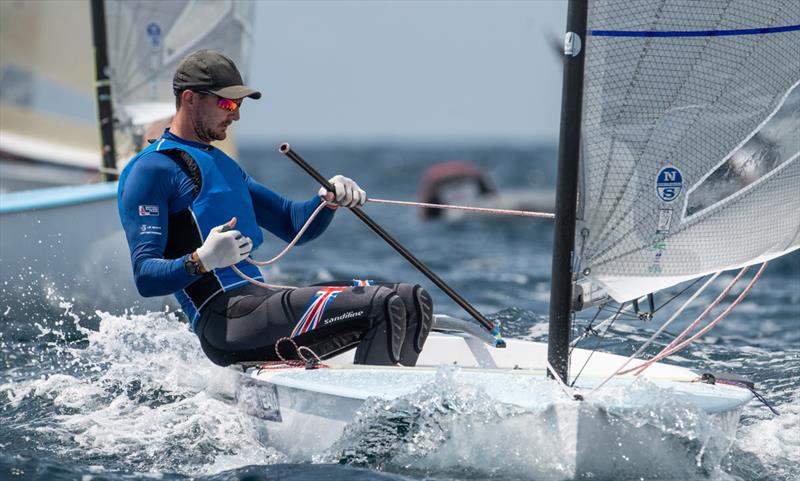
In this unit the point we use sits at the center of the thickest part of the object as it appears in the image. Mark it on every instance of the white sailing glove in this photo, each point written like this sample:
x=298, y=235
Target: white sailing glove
x=224, y=247
x=346, y=192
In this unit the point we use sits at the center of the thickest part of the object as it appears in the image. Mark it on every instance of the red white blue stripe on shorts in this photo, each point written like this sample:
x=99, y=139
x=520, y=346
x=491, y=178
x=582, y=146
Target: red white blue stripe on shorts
x=315, y=309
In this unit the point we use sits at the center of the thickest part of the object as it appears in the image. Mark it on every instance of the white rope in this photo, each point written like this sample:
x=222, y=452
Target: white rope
x=691, y=326
x=521, y=213
x=658, y=332
x=669, y=351
x=282, y=253
x=377, y=201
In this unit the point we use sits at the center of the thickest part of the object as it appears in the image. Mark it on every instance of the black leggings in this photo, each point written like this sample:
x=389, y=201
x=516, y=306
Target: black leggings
x=388, y=322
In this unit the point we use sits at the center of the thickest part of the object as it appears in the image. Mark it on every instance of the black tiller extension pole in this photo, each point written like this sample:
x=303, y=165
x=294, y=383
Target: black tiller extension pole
x=287, y=150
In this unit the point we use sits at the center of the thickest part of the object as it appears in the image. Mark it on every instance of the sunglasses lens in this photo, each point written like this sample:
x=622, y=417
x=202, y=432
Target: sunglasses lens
x=227, y=104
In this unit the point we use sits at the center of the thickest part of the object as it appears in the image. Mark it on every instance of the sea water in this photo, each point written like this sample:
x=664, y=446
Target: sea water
x=100, y=391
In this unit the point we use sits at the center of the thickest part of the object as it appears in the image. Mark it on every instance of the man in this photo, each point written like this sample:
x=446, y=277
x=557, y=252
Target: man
x=190, y=213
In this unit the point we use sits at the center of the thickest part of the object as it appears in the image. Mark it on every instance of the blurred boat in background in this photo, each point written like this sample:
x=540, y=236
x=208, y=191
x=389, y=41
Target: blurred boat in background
x=458, y=182
x=65, y=133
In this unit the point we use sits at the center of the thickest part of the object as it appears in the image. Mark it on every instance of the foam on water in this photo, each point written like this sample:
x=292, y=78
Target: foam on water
x=141, y=393
x=452, y=426
x=138, y=394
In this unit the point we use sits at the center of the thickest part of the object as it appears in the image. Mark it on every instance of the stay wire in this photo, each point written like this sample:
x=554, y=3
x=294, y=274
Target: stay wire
x=598, y=339
x=678, y=294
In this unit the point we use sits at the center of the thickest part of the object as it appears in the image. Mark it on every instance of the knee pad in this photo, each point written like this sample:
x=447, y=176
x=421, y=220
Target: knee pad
x=383, y=342
x=396, y=326
x=423, y=304
x=419, y=305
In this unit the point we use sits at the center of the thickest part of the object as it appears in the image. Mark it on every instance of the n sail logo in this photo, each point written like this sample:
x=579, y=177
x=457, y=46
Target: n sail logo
x=669, y=183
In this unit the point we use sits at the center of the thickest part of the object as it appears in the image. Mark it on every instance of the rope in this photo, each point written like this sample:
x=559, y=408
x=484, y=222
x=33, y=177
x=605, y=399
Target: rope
x=702, y=316
x=520, y=213
x=669, y=351
x=377, y=201
x=659, y=331
x=313, y=362
x=280, y=255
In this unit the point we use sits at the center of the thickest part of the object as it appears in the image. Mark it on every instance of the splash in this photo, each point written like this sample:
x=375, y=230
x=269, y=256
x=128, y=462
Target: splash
x=137, y=393
x=451, y=426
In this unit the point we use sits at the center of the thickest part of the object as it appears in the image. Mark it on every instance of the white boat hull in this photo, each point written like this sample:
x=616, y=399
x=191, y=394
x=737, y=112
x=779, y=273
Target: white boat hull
x=663, y=427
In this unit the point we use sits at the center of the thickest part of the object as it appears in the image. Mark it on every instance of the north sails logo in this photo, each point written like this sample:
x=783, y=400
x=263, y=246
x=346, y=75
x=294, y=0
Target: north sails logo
x=341, y=317
x=669, y=183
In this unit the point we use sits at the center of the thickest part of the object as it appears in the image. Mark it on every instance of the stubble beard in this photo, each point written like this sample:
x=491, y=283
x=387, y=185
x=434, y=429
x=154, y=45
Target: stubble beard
x=205, y=133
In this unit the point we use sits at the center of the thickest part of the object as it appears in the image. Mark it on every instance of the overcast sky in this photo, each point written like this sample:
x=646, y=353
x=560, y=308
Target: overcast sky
x=430, y=71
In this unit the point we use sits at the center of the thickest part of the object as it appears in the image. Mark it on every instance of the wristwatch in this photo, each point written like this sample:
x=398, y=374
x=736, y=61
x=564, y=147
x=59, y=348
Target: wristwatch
x=191, y=266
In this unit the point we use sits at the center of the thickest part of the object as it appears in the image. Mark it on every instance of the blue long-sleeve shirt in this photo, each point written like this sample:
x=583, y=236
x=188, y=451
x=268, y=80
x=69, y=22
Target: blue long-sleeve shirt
x=157, y=180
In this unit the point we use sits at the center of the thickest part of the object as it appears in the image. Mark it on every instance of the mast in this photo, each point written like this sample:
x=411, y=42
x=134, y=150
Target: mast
x=105, y=113
x=567, y=190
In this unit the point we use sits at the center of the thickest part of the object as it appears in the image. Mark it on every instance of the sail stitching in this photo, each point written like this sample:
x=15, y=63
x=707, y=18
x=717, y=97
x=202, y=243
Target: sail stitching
x=689, y=128
x=605, y=234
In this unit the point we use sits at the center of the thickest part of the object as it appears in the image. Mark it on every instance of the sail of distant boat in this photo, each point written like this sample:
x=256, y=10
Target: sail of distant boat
x=691, y=138
x=147, y=39
x=49, y=135
x=47, y=97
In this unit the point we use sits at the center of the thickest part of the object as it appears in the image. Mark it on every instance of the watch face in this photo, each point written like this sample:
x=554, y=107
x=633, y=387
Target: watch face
x=190, y=266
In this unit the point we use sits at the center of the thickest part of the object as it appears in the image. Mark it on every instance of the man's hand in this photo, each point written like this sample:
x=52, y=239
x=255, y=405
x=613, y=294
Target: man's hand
x=224, y=247
x=346, y=192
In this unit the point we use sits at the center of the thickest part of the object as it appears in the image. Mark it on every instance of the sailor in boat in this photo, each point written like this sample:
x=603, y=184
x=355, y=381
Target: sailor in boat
x=458, y=182
x=191, y=213
x=452, y=182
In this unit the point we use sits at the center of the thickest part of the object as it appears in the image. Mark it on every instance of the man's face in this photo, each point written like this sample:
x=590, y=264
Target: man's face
x=211, y=122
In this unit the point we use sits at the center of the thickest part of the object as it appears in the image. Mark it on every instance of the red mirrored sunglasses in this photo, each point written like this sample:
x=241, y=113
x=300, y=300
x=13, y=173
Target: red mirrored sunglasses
x=225, y=104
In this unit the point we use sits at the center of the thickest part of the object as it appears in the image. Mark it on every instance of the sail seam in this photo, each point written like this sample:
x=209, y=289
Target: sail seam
x=695, y=33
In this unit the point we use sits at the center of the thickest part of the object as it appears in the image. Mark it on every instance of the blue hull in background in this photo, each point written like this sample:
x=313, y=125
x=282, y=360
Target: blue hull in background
x=66, y=242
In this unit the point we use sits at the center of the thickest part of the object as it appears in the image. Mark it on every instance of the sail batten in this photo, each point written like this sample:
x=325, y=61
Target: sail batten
x=689, y=145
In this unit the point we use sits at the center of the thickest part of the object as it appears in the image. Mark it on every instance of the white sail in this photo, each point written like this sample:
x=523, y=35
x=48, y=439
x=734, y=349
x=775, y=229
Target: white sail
x=146, y=41
x=691, y=139
x=47, y=97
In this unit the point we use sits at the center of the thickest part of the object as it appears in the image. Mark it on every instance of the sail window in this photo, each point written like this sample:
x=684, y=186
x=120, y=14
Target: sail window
x=773, y=145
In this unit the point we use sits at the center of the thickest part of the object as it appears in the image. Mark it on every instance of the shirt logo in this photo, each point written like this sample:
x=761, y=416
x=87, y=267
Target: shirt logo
x=147, y=210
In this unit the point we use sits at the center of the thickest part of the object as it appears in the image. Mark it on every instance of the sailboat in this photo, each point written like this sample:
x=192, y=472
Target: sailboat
x=678, y=161
x=71, y=118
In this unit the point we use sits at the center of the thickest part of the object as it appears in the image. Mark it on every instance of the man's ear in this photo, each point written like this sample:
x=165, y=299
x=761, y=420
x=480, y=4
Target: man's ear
x=187, y=97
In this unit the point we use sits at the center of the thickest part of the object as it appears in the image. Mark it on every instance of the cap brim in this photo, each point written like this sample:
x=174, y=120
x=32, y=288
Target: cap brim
x=237, y=92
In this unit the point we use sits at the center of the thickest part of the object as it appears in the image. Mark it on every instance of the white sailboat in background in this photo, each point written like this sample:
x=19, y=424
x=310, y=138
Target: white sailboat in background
x=678, y=160
x=59, y=228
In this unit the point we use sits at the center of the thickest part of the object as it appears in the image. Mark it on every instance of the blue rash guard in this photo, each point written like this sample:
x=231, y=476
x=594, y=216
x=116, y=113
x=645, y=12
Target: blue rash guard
x=158, y=184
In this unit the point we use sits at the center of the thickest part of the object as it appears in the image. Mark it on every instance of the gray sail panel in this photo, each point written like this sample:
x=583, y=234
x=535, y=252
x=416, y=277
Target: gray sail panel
x=673, y=90
x=148, y=38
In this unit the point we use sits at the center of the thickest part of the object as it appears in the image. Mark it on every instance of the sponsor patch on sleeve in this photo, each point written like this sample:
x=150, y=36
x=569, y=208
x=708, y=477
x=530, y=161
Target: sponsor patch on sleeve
x=148, y=210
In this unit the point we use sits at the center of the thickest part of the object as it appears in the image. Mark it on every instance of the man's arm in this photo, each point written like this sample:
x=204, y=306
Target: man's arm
x=144, y=211
x=284, y=217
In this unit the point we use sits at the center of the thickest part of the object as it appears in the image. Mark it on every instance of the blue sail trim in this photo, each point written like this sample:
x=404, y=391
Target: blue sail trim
x=694, y=33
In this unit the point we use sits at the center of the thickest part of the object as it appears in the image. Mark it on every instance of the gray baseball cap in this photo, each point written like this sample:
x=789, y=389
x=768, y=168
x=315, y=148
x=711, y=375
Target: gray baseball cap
x=213, y=72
